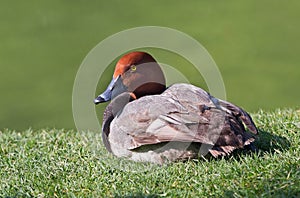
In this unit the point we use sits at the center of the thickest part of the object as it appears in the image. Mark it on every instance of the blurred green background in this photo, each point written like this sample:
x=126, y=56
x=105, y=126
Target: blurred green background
x=42, y=44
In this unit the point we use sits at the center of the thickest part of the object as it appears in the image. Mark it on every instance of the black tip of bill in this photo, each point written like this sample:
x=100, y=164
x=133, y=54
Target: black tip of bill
x=98, y=100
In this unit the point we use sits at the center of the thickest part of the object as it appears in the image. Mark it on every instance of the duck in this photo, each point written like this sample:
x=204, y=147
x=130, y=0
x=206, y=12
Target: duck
x=146, y=121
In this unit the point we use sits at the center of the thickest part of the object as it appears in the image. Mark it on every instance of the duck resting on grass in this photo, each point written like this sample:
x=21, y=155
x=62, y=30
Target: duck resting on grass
x=148, y=122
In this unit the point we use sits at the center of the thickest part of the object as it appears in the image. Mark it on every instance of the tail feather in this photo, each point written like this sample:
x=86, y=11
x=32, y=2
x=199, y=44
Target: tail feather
x=240, y=114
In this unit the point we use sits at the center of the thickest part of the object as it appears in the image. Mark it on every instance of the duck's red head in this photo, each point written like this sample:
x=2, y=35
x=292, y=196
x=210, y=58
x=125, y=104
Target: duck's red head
x=137, y=73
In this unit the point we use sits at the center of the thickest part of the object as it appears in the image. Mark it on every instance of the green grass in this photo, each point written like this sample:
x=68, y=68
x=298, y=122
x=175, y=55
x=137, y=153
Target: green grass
x=61, y=163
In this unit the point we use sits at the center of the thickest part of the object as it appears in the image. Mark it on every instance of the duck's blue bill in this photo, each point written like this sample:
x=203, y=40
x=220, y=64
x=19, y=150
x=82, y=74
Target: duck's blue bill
x=106, y=95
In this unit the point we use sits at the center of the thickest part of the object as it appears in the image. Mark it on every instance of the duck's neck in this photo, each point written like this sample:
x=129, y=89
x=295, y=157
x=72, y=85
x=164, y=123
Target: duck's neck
x=150, y=88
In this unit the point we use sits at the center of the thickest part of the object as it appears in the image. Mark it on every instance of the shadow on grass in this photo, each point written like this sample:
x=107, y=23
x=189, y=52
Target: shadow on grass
x=269, y=142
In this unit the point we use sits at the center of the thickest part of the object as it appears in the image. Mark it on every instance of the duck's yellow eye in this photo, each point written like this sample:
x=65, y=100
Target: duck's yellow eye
x=133, y=67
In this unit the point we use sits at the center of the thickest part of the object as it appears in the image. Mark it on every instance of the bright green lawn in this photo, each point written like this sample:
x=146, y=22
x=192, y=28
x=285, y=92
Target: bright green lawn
x=255, y=43
x=61, y=163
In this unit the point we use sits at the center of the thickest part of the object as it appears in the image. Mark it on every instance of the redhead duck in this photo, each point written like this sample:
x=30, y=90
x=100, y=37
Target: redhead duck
x=148, y=122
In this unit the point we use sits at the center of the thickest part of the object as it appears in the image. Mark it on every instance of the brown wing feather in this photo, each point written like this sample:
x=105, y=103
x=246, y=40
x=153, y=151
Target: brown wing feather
x=223, y=130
